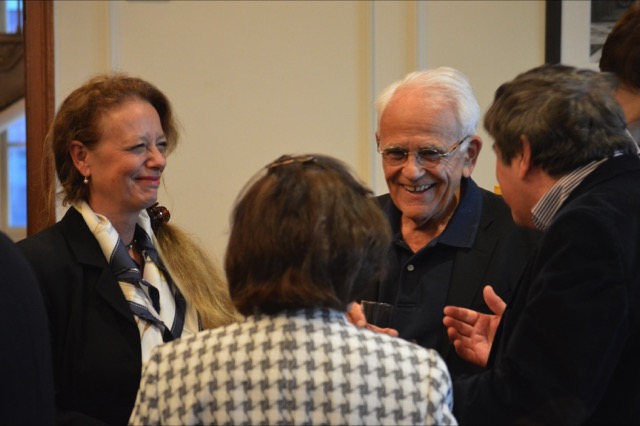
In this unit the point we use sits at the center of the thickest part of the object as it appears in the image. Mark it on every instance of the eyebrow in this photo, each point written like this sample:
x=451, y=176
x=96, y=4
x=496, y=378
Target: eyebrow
x=420, y=148
x=145, y=138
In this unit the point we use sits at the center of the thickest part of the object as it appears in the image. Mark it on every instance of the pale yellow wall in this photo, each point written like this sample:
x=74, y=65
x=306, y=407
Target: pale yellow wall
x=491, y=42
x=252, y=80
x=81, y=43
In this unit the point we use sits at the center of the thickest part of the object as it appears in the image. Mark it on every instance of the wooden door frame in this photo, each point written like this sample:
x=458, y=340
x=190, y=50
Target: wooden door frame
x=39, y=111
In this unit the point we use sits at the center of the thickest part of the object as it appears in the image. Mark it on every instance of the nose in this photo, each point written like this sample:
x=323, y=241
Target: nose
x=412, y=168
x=157, y=159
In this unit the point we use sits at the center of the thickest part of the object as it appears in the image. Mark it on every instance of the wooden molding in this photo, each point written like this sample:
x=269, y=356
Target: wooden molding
x=40, y=108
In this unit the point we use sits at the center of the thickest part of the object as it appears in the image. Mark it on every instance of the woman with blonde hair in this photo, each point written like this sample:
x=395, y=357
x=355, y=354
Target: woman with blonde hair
x=117, y=279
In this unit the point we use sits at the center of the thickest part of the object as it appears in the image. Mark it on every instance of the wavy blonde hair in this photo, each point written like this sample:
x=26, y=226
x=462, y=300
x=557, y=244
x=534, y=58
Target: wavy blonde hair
x=190, y=267
x=200, y=281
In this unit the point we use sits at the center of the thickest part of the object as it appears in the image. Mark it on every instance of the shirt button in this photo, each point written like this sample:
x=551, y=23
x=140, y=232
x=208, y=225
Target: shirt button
x=410, y=268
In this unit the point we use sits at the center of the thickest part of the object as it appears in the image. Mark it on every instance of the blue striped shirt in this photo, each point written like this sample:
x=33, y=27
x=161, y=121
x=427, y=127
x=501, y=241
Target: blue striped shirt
x=548, y=205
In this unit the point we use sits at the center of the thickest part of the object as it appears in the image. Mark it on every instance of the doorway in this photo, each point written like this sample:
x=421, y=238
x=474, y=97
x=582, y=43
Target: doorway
x=26, y=108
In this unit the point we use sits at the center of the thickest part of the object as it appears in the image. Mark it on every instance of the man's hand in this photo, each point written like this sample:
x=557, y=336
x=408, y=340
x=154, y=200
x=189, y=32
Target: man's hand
x=471, y=332
x=357, y=318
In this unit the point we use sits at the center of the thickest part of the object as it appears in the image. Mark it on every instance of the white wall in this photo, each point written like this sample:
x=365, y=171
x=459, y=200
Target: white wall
x=252, y=80
x=491, y=42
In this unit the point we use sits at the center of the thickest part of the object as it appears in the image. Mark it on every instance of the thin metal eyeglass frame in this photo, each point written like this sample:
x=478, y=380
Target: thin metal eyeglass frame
x=421, y=160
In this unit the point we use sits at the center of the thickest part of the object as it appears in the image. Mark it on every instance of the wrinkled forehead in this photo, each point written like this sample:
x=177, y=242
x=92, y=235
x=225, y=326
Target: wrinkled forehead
x=411, y=113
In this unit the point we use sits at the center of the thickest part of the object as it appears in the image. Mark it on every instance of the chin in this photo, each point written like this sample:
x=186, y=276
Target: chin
x=150, y=203
x=522, y=222
x=419, y=218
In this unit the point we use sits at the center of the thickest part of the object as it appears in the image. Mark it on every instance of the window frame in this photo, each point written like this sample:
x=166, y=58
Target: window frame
x=7, y=116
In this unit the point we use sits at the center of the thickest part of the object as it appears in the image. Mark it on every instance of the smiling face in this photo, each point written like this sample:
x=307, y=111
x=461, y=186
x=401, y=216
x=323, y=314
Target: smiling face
x=125, y=165
x=425, y=194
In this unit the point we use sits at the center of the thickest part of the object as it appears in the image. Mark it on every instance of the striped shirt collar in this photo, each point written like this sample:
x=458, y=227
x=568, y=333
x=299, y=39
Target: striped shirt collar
x=546, y=208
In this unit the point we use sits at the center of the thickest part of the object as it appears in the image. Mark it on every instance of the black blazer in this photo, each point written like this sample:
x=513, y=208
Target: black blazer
x=566, y=350
x=497, y=258
x=26, y=371
x=96, y=343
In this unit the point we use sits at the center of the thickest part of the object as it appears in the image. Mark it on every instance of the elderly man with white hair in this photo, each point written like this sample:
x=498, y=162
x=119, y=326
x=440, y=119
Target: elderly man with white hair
x=450, y=237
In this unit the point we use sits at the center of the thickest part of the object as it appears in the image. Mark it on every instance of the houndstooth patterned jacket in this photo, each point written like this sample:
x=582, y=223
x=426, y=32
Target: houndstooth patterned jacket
x=294, y=368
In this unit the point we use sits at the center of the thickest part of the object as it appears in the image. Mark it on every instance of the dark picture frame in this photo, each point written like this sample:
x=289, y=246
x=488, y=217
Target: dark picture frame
x=576, y=30
x=553, y=31
x=567, y=32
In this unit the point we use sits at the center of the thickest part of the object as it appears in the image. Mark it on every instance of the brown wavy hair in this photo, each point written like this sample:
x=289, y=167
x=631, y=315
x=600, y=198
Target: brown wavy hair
x=305, y=234
x=621, y=49
x=78, y=119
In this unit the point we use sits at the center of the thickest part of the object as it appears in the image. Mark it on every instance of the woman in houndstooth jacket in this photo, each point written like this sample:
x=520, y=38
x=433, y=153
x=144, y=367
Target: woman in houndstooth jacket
x=306, y=238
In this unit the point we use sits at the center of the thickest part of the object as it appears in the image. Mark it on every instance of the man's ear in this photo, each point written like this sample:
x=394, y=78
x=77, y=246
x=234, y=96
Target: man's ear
x=377, y=140
x=471, y=155
x=524, y=162
x=79, y=153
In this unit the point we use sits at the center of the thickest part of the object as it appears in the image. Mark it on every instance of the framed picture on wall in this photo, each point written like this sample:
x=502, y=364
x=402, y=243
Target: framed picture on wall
x=576, y=30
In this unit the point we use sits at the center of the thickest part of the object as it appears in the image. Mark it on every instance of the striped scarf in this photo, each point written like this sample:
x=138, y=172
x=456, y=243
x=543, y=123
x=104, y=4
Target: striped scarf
x=158, y=307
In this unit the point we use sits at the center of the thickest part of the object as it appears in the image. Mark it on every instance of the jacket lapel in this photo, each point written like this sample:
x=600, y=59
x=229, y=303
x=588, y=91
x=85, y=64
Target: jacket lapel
x=465, y=281
x=86, y=250
x=466, y=285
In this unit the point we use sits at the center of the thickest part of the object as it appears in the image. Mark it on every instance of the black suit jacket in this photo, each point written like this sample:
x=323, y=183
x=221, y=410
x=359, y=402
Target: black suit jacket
x=566, y=350
x=96, y=343
x=26, y=372
x=497, y=258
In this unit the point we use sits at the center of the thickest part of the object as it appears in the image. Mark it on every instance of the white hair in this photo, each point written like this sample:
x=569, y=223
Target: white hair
x=439, y=84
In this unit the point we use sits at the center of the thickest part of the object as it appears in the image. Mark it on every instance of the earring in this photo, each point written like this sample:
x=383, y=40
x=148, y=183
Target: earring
x=86, y=180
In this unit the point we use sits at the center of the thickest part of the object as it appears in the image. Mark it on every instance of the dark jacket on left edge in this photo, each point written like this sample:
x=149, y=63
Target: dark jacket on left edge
x=96, y=343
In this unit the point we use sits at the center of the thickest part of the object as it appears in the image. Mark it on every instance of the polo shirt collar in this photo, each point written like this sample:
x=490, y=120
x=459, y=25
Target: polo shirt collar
x=463, y=226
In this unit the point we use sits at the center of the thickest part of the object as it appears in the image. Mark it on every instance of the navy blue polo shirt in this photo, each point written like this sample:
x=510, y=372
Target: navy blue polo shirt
x=418, y=283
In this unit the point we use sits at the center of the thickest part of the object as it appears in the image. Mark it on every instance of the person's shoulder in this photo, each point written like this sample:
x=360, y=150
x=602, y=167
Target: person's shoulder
x=421, y=353
x=383, y=200
x=494, y=202
x=418, y=373
x=45, y=243
x=431, y=366
x=201, y=344
x=11, y=257
x=51, y=240
x=495, y=211
x=412, y=359
x=7, y=245
x=497, y=220
x=71, y=219
x=390, y=344
x=491, y=203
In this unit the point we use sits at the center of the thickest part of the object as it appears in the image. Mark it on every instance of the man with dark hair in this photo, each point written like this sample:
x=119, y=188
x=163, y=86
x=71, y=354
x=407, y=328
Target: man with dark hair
x=564, y=351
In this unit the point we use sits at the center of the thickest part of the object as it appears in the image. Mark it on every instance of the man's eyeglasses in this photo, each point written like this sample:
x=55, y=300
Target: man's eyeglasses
x=428, y=157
